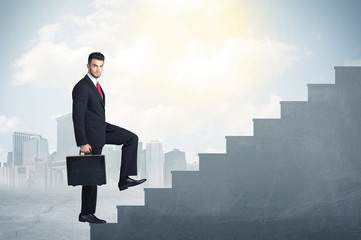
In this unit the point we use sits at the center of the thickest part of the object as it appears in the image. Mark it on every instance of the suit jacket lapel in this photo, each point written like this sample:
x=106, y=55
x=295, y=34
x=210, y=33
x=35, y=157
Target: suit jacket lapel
x=96, y=90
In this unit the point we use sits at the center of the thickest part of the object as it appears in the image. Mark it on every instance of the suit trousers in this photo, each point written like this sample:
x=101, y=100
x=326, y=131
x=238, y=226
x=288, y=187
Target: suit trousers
x=117, y=136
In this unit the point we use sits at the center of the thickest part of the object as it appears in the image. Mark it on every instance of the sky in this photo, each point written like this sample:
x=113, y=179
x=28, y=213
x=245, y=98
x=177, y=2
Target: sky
x=186, y=73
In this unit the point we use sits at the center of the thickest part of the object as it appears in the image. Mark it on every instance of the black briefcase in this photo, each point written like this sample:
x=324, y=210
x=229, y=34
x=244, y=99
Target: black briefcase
x=86, y=170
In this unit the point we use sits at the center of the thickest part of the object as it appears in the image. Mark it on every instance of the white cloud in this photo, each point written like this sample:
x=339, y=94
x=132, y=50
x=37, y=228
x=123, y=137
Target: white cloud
x=8, y=125
x=50, y=64
x=168, y=8
x=48, y=32
x=189, y=93
x=239, y=63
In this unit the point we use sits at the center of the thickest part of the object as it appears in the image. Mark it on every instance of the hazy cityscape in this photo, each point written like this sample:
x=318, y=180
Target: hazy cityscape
x=30, y=164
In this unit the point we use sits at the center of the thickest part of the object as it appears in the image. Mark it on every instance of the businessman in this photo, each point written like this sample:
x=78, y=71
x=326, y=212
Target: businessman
x=92, y=132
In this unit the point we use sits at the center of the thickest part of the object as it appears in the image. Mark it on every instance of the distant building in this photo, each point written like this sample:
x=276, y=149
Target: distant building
x=141, y=161
x=65, y=136
x=174, y=160
x=35, y=150
x=18, y=143
x=4, y=175
x=66, y=146
x=155, y=164
x=10, y=159
x=35, y=159
x=112, y=158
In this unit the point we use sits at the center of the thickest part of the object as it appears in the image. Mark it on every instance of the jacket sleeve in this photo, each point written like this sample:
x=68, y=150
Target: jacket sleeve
x=80, y=102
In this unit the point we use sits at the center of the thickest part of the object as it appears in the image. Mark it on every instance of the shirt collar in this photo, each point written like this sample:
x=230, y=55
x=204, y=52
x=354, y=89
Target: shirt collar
x=94, y=80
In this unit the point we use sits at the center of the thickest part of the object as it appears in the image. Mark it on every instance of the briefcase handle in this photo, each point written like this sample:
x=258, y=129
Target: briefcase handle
x=91, y=152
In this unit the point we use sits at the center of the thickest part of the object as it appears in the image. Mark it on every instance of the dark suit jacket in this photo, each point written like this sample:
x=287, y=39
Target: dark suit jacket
x=88, y=114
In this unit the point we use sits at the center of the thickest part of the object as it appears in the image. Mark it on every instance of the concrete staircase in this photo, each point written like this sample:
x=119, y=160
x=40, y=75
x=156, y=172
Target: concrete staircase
x=297, y=177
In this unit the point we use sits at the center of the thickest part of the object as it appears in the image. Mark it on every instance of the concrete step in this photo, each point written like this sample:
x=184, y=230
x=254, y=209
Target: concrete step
x=210, y=160
x=156, y=196
x=103, y=231
x=267, y=128
x=239, y=144
x=226, y=228
x=128, y=212
x=348, y=76
x=292, y=110
x=184, y=179
x=320, y=93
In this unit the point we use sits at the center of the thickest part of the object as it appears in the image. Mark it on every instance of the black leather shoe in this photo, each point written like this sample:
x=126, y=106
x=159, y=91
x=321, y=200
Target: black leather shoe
x=90, y=218
x=126, y=182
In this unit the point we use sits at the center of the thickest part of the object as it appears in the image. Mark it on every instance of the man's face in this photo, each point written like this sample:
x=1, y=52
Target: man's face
x=95, y=68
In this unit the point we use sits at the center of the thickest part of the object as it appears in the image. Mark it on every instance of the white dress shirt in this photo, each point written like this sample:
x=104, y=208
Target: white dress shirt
x=94, y=80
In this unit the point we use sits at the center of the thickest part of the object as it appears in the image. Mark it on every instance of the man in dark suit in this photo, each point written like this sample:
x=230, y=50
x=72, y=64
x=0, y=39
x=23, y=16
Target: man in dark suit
x=92, y=133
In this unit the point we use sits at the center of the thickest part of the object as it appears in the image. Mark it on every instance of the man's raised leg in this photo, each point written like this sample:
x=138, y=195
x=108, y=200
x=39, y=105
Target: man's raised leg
x=120, y=136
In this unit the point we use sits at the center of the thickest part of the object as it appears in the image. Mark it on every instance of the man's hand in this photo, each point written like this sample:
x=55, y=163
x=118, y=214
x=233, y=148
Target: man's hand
x=85, y=148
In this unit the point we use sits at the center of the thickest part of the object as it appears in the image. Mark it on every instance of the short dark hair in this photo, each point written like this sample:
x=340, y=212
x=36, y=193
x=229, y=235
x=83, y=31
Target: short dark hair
x=95, y=55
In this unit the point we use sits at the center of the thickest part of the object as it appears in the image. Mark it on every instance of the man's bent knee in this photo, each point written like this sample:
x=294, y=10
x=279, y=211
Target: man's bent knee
x=135, y=138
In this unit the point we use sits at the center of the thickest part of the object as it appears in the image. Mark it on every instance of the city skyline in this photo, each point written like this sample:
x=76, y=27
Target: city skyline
x=63, y=139
x=32, y=164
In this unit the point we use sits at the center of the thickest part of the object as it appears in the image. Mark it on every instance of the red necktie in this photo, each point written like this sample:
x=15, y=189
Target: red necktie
x=100, y=91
